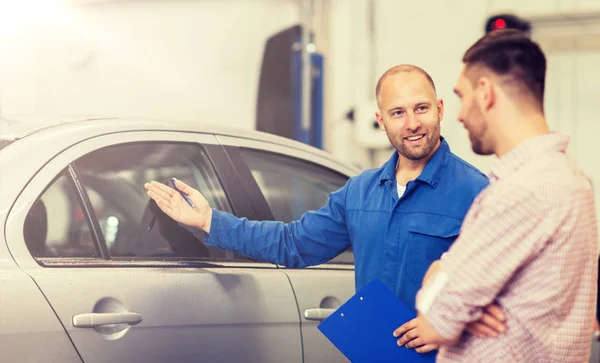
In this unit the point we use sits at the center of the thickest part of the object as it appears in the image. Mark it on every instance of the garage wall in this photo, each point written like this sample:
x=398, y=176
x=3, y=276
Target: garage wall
x=544, y=7
x=181, y=59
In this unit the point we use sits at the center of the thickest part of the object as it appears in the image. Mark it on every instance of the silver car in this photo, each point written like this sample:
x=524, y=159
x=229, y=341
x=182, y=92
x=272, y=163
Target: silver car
x=91, y=270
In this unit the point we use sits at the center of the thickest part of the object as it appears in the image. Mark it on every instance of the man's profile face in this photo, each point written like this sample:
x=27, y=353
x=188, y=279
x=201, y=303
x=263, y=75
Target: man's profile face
x=410, y=114
x=471, y=117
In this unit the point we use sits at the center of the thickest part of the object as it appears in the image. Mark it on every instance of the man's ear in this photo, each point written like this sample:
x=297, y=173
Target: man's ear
x=485, y=93
x=440, y=109
x=380, y=121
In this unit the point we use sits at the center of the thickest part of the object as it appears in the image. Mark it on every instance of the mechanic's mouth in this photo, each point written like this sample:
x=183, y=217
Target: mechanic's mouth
x=415, y=137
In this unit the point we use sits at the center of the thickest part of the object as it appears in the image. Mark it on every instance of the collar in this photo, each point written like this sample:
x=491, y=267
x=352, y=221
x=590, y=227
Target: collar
x=432, y=172
x=527, y=151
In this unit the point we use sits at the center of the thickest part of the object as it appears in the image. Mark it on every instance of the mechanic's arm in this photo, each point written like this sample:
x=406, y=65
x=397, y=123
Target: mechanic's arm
x=504, y=234
x=316, y=238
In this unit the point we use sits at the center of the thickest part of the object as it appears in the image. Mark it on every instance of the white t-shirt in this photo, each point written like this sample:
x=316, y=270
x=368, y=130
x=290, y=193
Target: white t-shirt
x=401, y=189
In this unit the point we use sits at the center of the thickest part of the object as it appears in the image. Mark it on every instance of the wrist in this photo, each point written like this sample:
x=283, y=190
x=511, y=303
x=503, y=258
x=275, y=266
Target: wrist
x=431, y=272
x=207, y=220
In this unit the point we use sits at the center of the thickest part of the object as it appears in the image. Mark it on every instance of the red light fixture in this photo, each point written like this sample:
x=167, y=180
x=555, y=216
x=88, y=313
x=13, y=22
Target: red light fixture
x=499, y=24
x=506, y=21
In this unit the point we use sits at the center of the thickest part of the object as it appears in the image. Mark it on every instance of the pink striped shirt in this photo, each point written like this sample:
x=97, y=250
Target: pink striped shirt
x=528, y=244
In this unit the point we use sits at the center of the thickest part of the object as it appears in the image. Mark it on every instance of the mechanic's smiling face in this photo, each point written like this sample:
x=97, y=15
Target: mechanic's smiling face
x=410, y=114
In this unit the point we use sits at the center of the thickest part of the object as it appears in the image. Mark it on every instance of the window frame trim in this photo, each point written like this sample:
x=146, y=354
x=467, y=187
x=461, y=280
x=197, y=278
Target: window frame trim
x=124, y=262
x=252, y=189
x=90, y=216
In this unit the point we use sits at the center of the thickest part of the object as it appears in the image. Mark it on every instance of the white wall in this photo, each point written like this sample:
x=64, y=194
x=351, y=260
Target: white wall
x=543, y=7
x=178, y=59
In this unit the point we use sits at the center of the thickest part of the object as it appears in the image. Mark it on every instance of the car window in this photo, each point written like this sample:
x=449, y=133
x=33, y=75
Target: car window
x=292, y=186
x=56, y=226
x=114, y=179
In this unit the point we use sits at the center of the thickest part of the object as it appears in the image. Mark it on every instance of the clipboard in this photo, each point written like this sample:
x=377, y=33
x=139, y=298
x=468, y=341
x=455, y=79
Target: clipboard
x=362, y=328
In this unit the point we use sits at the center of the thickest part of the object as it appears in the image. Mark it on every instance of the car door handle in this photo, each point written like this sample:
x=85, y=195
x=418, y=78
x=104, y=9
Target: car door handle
x=317, y=313
x=98, y=319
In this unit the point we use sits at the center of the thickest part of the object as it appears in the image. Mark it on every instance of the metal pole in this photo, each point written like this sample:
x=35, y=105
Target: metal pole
x=306, y=10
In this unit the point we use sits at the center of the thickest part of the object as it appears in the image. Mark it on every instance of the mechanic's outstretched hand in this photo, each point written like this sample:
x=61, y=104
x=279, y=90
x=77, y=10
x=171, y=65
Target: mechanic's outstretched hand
x=172, y=204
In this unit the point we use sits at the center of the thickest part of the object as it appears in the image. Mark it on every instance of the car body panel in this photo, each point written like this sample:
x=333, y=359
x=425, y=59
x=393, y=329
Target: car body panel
x=326, y=286
x=27, y=321
x=187, y=312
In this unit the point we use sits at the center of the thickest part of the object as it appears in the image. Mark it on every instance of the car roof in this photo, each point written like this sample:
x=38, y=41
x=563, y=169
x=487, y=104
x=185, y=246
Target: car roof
x=12, y=130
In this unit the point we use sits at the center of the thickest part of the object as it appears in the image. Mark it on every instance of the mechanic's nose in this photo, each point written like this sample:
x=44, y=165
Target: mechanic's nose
x=412, y=123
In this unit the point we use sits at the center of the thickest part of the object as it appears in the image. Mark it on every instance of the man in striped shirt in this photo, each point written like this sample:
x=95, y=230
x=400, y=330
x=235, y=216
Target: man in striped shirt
x=528, y=242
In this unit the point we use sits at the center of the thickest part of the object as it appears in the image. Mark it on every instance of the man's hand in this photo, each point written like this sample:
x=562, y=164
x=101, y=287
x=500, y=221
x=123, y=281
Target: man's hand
x=418, y=334
x=408, y=335
x=172, y=203
x=490, y=324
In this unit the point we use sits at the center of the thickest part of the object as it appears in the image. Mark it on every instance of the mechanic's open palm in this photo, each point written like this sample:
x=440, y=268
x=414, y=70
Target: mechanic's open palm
x=172, y=204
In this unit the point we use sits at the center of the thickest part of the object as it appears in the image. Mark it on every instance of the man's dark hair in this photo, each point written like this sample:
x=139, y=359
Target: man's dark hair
x=510, y=53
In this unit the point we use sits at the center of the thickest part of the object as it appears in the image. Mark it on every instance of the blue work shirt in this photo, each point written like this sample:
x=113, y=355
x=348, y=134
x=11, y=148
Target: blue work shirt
x=394, y=239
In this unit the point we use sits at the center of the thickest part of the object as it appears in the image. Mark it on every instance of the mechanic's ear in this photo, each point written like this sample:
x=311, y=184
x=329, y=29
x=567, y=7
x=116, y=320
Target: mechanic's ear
x=380, y=121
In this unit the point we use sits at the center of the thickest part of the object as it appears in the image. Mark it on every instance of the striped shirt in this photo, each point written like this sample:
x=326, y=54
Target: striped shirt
x=528, y=244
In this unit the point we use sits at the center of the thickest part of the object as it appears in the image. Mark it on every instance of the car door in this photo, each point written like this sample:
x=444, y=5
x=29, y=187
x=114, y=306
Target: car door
x=288, y=186
x=128, y=289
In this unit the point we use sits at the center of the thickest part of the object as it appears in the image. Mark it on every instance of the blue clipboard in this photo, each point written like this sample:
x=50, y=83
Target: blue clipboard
x=362, y=328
